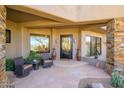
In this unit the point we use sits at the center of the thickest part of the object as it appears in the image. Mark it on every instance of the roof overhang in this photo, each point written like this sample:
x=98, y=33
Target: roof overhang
x=38, y=13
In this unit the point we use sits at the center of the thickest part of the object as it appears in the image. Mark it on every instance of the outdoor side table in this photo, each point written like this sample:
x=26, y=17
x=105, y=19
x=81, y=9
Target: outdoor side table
x=35, y=65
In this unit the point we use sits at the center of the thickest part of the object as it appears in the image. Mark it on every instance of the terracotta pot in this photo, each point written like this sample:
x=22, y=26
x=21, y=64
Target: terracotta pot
x=78, y=55
x=54, y=54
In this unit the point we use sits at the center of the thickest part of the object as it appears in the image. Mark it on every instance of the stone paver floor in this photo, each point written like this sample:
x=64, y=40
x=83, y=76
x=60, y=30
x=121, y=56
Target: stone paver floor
x=64, y=74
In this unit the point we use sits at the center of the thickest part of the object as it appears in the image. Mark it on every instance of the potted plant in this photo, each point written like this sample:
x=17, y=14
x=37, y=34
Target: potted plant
x=78, y=55
x=10, y=67
x=54, y=54
x=117, y=80
x=96, y=54
x=33, y=56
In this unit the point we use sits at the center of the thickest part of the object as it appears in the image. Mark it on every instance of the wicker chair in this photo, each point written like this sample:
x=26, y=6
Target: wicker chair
x=21, y=69
x=47, y=60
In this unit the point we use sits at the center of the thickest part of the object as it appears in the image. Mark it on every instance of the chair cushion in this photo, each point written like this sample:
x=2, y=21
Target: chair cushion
x=27, y=66
x=19, y=61
x=47, y=61
x=46, y=56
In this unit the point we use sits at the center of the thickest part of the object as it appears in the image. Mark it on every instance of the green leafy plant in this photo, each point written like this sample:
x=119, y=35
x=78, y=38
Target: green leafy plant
x=39, y=58
x=30, y=58
x=117, y=80
x=114, y=79
x=33, y=56
x=10, y=65
x=121, y=82
x=96, y=54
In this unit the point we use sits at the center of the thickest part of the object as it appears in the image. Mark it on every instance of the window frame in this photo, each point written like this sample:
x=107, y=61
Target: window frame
x=8, y=35
x=40, y=35
x=100, y=44
x=96, y=42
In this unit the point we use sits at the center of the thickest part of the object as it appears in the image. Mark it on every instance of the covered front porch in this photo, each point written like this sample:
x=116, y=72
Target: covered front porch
x=44, y=35
x=89, y=37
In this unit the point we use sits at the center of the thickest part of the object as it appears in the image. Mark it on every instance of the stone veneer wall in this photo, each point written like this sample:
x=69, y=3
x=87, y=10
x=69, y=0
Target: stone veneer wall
x=115, y=45
x=3, y=78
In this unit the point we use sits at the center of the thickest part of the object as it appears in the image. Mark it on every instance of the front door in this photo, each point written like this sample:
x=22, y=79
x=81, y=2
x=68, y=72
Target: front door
x=66, y=46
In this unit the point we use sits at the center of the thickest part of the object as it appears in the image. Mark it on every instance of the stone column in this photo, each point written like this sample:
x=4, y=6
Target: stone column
x=115, y=45
x=3, y=78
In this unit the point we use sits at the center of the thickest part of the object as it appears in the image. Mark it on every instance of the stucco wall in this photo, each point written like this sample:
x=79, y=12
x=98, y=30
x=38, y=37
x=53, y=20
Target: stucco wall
x=13, y=49
x=20, y=39
x=82, y=12
x=96, y=12
x=68, y=12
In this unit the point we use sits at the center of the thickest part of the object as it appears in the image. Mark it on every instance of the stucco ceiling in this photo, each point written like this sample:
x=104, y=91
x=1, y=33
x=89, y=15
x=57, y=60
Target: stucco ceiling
x=19, y=16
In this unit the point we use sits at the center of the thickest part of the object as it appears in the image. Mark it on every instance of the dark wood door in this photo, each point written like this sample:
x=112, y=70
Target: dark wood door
x=66, y=46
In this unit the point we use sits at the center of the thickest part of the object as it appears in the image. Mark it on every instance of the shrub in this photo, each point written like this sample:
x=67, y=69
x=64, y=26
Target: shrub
x=33, y=56
x=121, y=82
x=10, y=65
x=30, y=58
x=117, y=80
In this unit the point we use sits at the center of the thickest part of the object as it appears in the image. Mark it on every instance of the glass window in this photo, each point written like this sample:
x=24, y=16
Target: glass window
x=66, y=44
x=40, y=43
x=93, y=45
x=99, y=45
x=87, y=39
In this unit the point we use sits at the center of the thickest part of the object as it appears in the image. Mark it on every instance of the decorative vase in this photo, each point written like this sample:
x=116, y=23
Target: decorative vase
x=53, y=54
x=78, y=55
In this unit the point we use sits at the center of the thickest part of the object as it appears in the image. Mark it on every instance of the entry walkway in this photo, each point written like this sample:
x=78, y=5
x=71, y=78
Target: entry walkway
x=64, y=74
